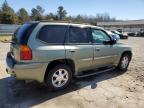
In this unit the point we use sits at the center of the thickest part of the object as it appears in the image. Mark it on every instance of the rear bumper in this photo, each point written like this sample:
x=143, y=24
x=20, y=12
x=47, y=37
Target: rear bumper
x=25, y=71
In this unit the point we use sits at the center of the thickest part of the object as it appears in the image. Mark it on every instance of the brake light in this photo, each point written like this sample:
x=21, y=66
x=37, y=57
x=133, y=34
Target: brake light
x=25, y=53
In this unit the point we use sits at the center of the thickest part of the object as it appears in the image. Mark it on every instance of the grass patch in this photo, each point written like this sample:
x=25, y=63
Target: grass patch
x=5, y=38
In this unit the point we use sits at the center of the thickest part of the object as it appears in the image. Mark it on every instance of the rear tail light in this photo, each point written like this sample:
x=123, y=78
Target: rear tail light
x=25, y=53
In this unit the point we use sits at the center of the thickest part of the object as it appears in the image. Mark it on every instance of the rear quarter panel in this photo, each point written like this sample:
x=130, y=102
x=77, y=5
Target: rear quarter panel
x=43, y=52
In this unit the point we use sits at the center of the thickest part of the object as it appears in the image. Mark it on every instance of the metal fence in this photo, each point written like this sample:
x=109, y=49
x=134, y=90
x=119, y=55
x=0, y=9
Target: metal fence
x=8, y=29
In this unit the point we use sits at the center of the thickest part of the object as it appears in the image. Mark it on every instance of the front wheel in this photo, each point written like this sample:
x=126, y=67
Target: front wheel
x=124, y=62
x=59, y=77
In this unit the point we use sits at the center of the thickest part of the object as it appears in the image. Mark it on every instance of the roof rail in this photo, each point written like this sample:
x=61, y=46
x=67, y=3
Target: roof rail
x=60, y=21
x=32, y=22
x=64, y=21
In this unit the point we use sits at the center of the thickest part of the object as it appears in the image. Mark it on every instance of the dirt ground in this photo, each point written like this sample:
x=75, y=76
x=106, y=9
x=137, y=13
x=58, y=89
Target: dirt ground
x=108, y=90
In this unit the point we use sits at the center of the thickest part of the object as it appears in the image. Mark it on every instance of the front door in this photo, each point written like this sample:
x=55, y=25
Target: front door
x=104, y=54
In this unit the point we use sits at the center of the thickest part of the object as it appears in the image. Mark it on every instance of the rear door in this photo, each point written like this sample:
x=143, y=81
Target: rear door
x=79, y=48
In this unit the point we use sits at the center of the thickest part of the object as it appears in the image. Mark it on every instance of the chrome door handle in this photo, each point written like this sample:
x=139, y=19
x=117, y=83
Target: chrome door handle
x=72, y=51
x=97, y=49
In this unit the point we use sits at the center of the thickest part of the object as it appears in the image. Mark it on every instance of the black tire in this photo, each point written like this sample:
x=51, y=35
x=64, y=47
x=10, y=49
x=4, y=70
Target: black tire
x=122, y=68
x=126, y=37
x=49, y=77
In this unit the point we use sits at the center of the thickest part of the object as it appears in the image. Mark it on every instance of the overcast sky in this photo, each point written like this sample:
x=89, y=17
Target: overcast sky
x=121, y=9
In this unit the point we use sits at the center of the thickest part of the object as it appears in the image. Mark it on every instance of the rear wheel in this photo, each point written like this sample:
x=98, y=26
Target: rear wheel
x=124, y=62
x=126, y=37
x=59, y=77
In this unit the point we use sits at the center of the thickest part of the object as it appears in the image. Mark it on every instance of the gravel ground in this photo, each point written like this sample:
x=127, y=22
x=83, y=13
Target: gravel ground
x=137, y=65
x=107, y=90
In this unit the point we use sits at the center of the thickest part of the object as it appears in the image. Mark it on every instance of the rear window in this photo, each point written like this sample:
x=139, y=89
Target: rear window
x=22, y=34
x=53, y=34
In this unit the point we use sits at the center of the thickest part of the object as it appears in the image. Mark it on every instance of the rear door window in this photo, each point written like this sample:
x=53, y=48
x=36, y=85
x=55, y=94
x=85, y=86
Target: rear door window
x=78, y=35
x=53, y=34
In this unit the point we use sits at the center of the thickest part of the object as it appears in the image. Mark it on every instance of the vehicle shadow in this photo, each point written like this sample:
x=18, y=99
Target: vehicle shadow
x=34, y=93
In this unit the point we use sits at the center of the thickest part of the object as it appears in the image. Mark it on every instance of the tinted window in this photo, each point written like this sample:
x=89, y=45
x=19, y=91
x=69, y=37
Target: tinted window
x=53, y=34
x=22, y=34
x=78, y=35
x=99, y=36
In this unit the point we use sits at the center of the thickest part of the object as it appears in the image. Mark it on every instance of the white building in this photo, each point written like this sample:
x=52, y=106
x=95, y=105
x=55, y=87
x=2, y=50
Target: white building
x=124, y=26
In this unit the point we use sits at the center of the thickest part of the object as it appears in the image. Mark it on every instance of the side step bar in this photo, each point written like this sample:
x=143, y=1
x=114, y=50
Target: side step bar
x=93, y=72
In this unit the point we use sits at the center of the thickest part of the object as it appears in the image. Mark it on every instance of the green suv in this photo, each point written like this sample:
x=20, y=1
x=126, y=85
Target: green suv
x=53, y=53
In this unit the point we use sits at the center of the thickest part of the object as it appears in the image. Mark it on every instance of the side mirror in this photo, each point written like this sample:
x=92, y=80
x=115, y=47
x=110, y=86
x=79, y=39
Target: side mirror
x=115, y=37
x=114, y=41
x=111, y=42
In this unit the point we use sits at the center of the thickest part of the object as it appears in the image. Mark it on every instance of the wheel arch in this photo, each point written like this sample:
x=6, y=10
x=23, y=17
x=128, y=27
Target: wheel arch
x=54, y=63
x=127, y=52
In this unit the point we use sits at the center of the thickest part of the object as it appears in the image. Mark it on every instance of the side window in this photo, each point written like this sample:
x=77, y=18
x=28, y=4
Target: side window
x=53, y=34
x=99, y=36
x=78, y=35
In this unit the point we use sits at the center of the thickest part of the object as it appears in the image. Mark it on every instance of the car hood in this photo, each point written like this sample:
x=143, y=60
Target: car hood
x=119, y=44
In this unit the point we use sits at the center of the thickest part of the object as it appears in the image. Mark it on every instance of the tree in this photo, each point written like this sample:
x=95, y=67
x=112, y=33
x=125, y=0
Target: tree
x=50, y=17
x=8, y=15
x=0, y=15
x=104, y=17
x=78, y=18
x=37, y=13
x=22, y=15
x=61, y=13
x=34, y=14
x=40, y=10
